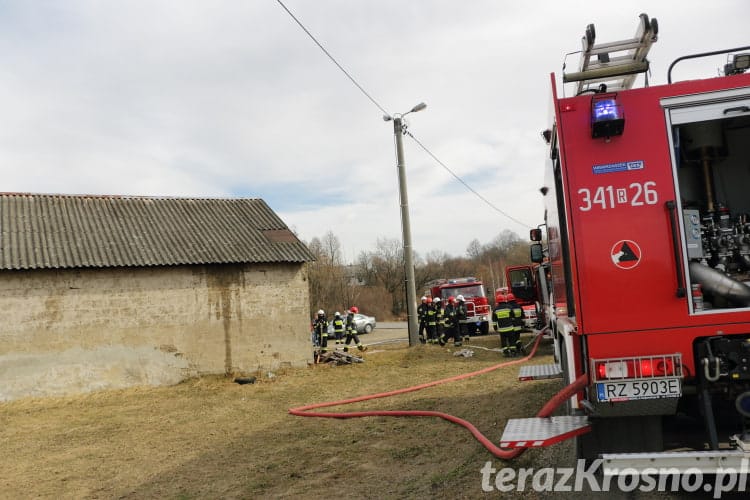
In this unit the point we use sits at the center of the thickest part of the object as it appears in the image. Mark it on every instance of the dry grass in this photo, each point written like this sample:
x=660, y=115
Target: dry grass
x=212, y=438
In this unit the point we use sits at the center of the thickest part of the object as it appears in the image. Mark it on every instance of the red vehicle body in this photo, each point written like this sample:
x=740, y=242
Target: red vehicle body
x=475, y=297
x=524, y=284
x=648, y=248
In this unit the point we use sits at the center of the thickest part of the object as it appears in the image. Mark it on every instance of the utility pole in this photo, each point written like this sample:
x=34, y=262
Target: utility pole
x=411, y=292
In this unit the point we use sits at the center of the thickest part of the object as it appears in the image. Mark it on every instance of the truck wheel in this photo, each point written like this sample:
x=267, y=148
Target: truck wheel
x=485, y=328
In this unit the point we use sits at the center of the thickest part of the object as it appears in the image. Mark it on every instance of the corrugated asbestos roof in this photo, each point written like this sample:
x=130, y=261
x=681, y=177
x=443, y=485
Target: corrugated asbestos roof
x=61, y=231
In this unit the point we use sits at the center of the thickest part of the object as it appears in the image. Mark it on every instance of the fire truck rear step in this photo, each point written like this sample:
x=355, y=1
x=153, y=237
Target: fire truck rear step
x=540, y=372
x=533, y=432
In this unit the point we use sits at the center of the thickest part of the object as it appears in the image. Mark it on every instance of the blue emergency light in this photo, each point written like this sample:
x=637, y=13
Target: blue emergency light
x=607, y=117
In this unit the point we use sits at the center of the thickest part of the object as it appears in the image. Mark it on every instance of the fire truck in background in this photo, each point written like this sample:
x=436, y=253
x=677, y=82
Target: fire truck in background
x=475, y=297
x=524, y=283
x=647, y=221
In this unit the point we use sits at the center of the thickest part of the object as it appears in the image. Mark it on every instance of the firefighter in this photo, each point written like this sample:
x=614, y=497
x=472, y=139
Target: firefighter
x=451, y=326
x=502, y=318
x=431, y=320
x=461, y=315
x=351, y=330
x=320, y=327
x=439, y=317
x=422, y=317
x=517, y=324
x=338, y=328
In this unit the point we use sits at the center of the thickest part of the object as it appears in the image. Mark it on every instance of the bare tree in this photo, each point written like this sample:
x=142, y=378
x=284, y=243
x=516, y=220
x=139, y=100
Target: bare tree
x=332, y=248
x=331, y=286
x=385, y=267
x=474, y=250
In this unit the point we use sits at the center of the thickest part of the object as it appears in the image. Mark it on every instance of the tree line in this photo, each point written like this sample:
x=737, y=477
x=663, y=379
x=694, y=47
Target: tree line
x=376, y=282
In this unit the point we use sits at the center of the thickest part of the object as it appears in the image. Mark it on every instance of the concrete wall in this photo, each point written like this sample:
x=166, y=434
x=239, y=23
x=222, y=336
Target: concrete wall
x=211, y=319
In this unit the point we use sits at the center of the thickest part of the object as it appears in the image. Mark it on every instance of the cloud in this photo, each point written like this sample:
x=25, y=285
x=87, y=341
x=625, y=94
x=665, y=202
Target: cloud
x=234, y=99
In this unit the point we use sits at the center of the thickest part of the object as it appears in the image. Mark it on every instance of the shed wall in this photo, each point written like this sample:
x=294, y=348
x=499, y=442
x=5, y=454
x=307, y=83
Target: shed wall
x=215, y=318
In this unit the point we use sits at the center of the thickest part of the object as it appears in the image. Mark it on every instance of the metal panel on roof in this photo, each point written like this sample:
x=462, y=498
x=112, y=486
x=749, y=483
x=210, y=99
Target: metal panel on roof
x=39, y=231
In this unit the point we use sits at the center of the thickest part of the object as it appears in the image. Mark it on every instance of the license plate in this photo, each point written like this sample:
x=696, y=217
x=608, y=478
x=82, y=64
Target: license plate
x=628, y=390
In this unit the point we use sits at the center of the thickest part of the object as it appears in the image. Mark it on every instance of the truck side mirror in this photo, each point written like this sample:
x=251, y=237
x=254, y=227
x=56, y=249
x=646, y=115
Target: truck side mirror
x=535, y=234
x=536, y=253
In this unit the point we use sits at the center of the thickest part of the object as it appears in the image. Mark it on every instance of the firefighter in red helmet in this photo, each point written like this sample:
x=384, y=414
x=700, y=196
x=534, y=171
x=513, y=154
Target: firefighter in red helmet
x=351, y=330
x=451, y=324
x=431, y=320
x=515, y=339
x=502, y=319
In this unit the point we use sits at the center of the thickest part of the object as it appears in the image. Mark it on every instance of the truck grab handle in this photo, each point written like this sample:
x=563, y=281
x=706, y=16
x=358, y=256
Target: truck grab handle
x=737, y=109
x=703, y=54
x=672, y=207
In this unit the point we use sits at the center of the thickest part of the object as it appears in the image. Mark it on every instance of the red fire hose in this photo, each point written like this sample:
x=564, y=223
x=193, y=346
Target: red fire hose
x=546, y=411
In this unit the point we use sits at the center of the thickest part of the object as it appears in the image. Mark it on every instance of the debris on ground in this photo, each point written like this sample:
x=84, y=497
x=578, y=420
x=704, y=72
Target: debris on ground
x=466, y=353
x=245, y=380
x=337, y=358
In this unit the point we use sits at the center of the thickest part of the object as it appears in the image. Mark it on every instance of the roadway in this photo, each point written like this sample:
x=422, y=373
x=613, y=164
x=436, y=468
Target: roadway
x=387, y=332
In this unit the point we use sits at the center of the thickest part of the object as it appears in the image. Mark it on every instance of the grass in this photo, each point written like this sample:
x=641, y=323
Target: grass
x=212, y=438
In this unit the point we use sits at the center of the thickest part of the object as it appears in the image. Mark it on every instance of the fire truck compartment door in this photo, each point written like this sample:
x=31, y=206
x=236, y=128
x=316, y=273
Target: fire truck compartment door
x=620, y=227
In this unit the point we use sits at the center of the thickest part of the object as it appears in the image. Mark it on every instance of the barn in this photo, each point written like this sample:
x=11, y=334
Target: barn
x=113, y=291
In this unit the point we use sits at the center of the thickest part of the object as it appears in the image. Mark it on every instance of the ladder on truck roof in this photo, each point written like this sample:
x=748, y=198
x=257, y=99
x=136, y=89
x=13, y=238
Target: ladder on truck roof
x=617, y=72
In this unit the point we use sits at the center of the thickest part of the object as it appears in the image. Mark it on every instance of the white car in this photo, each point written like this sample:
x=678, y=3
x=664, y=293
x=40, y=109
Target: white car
x=362, y=322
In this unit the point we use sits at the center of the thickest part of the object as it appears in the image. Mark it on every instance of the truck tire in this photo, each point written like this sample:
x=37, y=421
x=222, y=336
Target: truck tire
x=485, y=328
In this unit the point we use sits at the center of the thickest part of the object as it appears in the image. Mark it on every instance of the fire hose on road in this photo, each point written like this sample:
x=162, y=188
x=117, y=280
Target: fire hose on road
x=506, y=454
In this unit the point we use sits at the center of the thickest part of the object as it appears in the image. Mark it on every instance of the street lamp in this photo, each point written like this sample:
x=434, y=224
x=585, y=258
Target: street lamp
x=399, y=128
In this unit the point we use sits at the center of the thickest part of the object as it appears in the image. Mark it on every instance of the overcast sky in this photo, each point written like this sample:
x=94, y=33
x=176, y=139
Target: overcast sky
x=232, y=99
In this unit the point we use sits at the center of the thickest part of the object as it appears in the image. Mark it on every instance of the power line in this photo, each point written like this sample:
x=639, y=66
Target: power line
x=361, y=89
x=333, y=59
x=490, y=204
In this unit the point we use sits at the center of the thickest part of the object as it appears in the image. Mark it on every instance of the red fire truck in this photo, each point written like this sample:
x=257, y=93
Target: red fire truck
x=475, y=297
x=647, y=221
x=523, y=283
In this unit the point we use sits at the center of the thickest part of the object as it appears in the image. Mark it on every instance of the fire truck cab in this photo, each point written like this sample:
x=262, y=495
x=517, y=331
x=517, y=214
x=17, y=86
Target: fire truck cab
x=524, y=283
x=475, y=297
x=647, y=235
